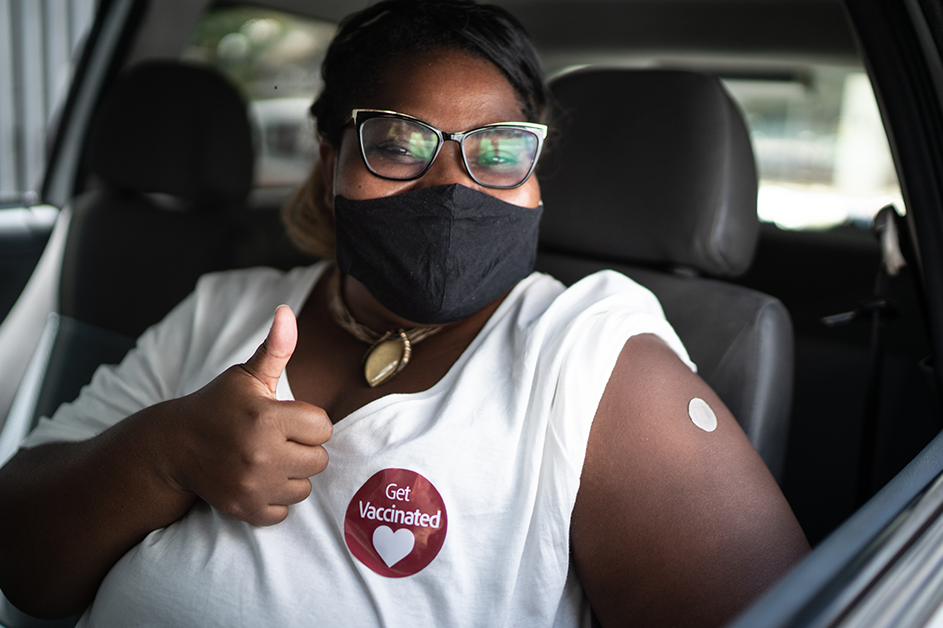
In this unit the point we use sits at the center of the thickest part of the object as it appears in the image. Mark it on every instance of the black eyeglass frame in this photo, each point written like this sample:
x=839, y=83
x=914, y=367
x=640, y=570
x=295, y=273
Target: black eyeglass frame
x=359, y=116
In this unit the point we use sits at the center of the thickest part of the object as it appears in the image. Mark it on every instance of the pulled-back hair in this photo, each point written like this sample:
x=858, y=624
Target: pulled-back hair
x=358, y=62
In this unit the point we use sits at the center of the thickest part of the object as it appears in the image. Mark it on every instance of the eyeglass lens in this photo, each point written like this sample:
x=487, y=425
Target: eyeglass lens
x=401, y=149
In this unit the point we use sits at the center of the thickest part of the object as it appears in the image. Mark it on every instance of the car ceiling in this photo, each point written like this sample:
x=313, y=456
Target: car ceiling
x=728, y=34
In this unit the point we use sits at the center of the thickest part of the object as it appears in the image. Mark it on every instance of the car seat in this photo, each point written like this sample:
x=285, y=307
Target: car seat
x=654, y=176
x=170, y=154
x=170, y=157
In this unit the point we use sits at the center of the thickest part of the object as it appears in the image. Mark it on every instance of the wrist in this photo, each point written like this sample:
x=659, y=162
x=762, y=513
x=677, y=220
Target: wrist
x=158, y=453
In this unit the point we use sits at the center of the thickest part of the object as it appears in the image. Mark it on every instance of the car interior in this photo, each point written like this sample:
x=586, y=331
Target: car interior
x=671, y=212
x=672, y=118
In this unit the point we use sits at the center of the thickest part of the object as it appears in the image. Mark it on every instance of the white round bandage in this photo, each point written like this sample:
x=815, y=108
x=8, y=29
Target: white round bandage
x=702, y=415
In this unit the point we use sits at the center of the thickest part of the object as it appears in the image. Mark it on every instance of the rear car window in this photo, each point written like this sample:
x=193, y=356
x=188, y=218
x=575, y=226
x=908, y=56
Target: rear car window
x=39, y=42
x=821, y=151
x=274, y=58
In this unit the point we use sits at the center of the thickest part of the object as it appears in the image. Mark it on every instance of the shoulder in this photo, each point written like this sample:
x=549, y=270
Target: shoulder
x=256, y=284
x=543, y=296
x=605, y=286
x=227, y=306
x=609, y=284
x=597, y=314
x=676, y=522
x=223, y=311
x=218, y=324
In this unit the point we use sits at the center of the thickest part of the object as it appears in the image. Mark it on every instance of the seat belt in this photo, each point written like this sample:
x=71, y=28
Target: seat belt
x=880, y=309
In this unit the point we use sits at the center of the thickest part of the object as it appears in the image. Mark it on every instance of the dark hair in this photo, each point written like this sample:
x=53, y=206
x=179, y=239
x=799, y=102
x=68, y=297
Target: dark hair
x=366, y=41
x=357, y=61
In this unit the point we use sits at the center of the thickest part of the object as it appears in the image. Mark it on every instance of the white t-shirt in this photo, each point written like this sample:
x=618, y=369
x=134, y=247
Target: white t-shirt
x=447, y=507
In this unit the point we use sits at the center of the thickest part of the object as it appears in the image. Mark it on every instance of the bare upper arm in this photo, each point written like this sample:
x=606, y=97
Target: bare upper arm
x=674, y=525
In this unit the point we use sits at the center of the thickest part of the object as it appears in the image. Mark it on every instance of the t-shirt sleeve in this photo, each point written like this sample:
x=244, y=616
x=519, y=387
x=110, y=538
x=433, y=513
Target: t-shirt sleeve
x=218, y=325
x=148, y=375
x=582, y=354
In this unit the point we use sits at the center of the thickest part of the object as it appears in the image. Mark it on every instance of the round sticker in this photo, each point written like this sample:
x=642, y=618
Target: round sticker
x=396, y=523
x=702, y=415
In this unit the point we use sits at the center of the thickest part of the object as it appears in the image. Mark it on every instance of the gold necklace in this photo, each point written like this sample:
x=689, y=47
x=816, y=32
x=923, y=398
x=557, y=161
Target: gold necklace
x=389, y=353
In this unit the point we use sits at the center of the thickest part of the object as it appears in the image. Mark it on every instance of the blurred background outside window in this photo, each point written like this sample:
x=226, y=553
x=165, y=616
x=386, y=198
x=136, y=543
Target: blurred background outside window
x=821, y=150
x=275, y=59
x=39, y=42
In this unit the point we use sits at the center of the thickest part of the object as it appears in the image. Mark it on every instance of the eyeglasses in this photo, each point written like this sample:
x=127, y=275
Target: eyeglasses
x=402, y=148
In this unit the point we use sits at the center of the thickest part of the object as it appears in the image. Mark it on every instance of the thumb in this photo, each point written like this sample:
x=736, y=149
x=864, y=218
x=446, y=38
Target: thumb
x=270, y=359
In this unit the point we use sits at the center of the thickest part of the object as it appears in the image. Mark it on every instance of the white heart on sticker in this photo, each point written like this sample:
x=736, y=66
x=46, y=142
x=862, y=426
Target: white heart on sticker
x=393, y=546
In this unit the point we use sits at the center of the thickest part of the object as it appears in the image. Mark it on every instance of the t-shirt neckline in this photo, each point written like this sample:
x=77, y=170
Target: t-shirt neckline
x=301, y=295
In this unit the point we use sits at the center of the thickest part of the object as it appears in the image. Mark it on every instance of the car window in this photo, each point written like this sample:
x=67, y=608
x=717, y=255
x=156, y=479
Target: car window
x=821, y=151
x=39, y=40
x=274, y=58
x=820, y=146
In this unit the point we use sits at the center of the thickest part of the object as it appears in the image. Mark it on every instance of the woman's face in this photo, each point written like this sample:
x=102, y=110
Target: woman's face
x=452, y=91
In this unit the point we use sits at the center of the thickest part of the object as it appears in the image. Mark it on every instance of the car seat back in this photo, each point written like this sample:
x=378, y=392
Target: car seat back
x=654, y=176
x=170, y=157
x=171, y=160
x=171, y=145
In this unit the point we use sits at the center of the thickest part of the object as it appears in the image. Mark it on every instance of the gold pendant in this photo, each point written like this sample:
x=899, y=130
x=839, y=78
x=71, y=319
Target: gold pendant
x=388, y=356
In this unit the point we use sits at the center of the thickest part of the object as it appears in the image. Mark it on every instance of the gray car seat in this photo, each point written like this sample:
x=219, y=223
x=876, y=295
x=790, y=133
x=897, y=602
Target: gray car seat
x=172, y=150
x=170, y=153
x=170, y=157
x=654, y=176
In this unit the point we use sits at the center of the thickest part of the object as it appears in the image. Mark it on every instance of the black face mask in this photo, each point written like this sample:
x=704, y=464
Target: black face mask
x=436, y=255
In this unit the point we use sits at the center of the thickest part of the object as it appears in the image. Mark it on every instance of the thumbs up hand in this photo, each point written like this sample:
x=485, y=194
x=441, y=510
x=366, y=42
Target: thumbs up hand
x=270, y=359
x=242, y=451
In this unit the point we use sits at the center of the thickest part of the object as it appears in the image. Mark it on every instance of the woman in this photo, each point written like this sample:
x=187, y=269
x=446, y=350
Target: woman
x=484, y=424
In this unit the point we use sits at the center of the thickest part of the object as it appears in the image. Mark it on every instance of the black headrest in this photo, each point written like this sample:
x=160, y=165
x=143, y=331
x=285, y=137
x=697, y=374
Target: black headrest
x=653, y=167
x=177, y=129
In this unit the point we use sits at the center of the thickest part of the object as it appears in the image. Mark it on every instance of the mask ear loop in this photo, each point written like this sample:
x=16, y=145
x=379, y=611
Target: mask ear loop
x=337, y=165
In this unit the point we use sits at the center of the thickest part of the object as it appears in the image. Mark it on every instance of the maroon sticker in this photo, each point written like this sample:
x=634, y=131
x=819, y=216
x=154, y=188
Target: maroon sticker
x=396, y=523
